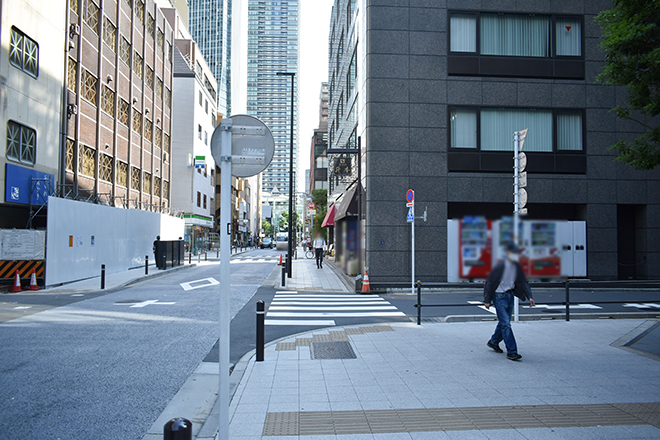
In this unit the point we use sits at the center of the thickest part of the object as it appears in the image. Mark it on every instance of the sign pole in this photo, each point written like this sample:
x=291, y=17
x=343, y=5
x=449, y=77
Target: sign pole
x=225, y=255
x=516, y=208
x=412, y=225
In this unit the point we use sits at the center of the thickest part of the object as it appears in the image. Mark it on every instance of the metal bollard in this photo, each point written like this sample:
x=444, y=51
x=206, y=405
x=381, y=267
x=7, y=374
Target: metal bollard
x=146, y=264
x=102, y=276
x=217, y=253
x=419, y=302
x=199, y=258
x=261, y=318
x=568, y=302
x=190, y=258
x=178, y=429
x=206, y=256
x=283, y=275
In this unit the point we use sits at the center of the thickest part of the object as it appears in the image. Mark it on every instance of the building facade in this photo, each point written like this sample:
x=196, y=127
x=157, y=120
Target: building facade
x=32, y=38
x=273, y=48
x=318, y=167
x=195, y=116
x=435, y=92
x=211, y=28
x=118, y=103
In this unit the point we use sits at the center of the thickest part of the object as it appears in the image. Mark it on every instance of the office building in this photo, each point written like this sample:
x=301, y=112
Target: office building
x=211, y=28
x=273, y=48
x=436, y=92
x=119, y=95
x=31, y=76
x=318, y=168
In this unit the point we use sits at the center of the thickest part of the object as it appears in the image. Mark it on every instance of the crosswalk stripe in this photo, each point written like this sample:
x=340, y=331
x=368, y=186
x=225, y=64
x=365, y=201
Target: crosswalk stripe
x=341, y=308
x=332, y=303
x=300, y=322
x=332, y=314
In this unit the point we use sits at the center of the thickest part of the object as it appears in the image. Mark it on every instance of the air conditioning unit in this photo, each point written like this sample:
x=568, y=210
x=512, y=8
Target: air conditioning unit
x=74, y=30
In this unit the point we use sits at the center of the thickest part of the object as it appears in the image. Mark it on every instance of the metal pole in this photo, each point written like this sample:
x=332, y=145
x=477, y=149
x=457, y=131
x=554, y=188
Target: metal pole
x=291, y=222
x=225, y=248
x=568, y=302
x=261, y=315
x=102, y=276
x=412, y=225
x=146, y=264
x=359, y=208
x=516, y=209
x=419, y=302
x=190, y=257
x=283, y=275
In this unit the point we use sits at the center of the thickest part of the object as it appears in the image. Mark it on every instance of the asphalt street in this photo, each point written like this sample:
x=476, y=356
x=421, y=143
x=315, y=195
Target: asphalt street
x=104, y=366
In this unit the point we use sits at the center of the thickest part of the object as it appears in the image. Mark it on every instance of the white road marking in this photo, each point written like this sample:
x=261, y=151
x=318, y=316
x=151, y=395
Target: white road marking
x=328, y=298
x=475, y=302
x=146, y=303
x=22, y=307
x=643, y=305
x=78, y=294
x=310, y=322
x=332, y=314
x=206, y=283
x=562, y=307
x=491, y=310
x=344, y=309
x=332, y=303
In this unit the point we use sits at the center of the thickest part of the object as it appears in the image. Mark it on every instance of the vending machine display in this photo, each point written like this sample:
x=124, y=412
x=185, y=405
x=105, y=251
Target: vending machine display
x=475, y=247
x=544, y=258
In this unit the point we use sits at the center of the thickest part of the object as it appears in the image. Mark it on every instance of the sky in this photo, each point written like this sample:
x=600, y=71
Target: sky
x=313, y=70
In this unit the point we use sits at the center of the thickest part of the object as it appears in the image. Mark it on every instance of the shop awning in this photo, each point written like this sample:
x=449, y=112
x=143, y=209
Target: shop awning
x=348, y=207
x=329, y=219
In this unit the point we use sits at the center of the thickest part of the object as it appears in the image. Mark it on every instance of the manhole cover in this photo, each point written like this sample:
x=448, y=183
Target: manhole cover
x=332, y=350
x=128, y=301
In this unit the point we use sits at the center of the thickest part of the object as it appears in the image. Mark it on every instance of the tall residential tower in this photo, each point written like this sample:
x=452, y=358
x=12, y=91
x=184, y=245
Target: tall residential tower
x=210, y=27
x=272, y=48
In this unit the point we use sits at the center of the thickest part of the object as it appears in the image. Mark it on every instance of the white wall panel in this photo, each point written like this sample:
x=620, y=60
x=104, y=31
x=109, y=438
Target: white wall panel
x=121, y=238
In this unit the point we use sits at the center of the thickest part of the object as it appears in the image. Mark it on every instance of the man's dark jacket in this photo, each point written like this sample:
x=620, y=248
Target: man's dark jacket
x=521, y=289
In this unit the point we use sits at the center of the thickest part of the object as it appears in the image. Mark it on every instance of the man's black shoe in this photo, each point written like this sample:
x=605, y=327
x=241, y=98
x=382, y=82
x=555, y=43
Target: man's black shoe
x=513, y=356
x=494, y=347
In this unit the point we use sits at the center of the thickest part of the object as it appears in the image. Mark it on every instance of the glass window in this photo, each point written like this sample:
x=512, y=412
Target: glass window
x=91, y=15
x=569, y=37
x=125, y=51
x=89, y=83
x=137, y=121
x=147, y=183
x=166, y=142
x=168, y=97
x=109, y=34
x=151, y=25
x=21, y=143
x=166, y=189
x=139, y=10
x=137, y=65
x=150, y=77
x=71, y=71
x=160, y=38
x=463, y=128
x=74, y=6
x=159, y=137
x=463, y=33
x=68, y=156
x=24, y=52
x=515, y=35
x=106, y=168
x=123, y=111
x=498, y=125
x=569, y=130
x=159, y=88
x=135, y=178
x=122, y=173
x=108, y=104
x=87, y=161
x=148, y=129
x=157, y=186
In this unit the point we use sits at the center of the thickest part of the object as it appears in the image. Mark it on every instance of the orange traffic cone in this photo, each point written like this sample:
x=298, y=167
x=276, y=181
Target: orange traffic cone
x=280, y=263
x=33, y=280
x=365, y=284
x=17, y=283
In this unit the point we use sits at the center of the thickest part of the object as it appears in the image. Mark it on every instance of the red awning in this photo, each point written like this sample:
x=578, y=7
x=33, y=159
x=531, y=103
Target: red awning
x=329, y=219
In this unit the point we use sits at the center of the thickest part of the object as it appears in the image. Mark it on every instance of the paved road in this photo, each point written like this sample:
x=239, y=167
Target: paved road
x=106, y=365
x=582, y=301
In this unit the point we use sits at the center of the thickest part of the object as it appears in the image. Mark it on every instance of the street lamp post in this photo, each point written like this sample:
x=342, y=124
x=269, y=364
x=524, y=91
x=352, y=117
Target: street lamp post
x=291, y=230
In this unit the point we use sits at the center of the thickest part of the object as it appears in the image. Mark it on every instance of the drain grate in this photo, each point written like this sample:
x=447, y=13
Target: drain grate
x=332, y=350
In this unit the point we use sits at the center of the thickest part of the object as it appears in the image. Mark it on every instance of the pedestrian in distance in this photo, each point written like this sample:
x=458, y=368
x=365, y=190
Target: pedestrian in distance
x=319, y=247
x=506, y=280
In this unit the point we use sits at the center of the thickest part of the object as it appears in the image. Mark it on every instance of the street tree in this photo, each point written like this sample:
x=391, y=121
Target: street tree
x=320, y=199
x=631, y=40
x=267, y=227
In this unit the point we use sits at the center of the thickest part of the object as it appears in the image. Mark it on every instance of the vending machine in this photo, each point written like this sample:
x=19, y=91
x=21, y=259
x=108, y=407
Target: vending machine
x=475, y=247
x=544, y=250
x=503, y=230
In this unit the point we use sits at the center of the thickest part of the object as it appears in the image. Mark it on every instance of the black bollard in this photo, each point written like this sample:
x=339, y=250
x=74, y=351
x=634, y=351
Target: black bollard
x=178, y=429
x=190, y=258
x=217, y=253
x=102, y=276
x=419, y=302
x=261, y=315
x=283, y=275
x=206, y=256
x=146, y=264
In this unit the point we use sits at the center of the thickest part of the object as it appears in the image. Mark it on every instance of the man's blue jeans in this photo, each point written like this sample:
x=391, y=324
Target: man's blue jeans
x=503, y=303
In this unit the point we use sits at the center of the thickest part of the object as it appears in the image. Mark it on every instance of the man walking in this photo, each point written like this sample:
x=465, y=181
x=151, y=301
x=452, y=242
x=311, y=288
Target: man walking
x=319, y=246
x=506, y=280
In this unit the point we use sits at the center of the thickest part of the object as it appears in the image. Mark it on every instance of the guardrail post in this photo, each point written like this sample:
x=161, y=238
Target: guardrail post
x=419, y=302
x=102, y=276
x=146, y=264
x=178, y=429
x=568, y=302
x=261, y=318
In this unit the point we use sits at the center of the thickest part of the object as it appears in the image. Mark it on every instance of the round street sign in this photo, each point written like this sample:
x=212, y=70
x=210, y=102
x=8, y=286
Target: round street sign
x=311, y=205
x=410, y=196
x=252, y=145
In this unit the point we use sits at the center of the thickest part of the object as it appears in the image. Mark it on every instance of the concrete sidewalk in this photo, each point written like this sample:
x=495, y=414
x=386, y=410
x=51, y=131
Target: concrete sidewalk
x=306, y=276
x=440, y=381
